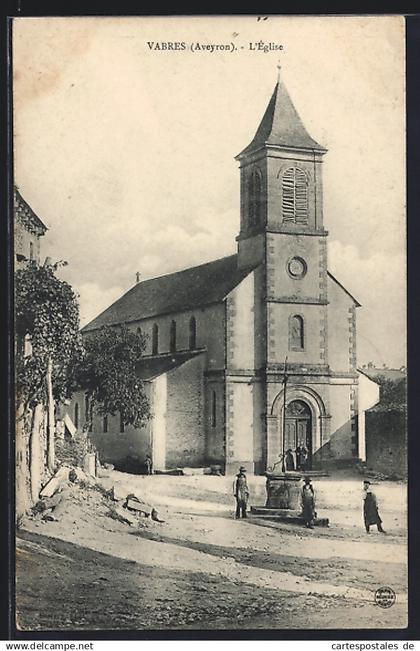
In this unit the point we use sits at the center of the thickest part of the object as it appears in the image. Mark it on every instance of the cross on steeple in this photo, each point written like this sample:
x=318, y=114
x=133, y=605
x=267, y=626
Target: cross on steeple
x=278, y=69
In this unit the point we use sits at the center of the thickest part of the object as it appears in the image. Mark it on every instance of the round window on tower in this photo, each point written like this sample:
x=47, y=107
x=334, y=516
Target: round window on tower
x=296, y=267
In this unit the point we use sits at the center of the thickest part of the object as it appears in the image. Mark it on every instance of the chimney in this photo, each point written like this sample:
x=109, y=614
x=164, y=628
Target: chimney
x=138, y=274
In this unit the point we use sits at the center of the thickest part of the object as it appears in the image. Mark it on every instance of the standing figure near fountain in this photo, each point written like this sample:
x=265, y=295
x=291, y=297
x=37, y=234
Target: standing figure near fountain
x=308, y=503
x=241, y=492
x=289, y=460
x=303, y=458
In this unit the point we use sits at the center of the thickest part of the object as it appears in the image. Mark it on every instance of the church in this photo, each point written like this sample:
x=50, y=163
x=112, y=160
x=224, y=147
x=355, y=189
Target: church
x=223, y=337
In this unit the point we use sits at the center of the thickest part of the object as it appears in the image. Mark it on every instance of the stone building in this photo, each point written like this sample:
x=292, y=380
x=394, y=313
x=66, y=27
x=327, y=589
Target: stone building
x=28, y=229
x=219, y=334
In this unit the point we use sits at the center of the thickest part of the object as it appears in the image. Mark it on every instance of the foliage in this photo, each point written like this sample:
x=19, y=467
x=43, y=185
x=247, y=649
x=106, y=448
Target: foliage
x=46, y=314
x=393, y=393
x=107, y=374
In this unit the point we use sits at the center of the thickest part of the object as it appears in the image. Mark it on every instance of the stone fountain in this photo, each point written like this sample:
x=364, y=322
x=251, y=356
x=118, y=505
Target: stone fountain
x=283, y=499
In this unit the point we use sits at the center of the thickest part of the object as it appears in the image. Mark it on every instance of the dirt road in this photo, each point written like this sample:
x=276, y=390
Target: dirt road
x=203, y=569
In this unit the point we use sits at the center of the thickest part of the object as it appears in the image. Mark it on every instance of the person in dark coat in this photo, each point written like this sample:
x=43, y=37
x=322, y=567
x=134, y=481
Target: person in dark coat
x=241, y=492
x=308, y=503
x=149, y=464
x=370, y=508
x=303, y=457
x=289, y=459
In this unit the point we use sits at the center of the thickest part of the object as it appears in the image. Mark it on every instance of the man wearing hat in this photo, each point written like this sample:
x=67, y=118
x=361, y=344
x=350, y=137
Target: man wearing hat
x=241, y=492
x=308, y=503
x=370, y=508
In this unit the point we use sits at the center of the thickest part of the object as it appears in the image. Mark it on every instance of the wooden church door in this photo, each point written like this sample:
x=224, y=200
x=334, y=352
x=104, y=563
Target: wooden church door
x=299, y=428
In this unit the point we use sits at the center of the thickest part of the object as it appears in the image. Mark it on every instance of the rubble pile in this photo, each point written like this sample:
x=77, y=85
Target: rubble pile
x=70, y=483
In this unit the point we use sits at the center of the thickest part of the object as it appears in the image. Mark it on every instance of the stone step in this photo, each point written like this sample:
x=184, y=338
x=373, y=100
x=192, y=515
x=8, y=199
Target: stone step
x=264, y=510
x=285, y=515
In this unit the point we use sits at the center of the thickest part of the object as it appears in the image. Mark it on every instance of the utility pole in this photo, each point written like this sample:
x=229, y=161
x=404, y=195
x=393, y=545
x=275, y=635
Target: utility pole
x=283, y=465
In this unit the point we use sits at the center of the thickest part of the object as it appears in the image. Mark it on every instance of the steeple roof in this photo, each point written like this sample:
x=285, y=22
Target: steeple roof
x=281, y=125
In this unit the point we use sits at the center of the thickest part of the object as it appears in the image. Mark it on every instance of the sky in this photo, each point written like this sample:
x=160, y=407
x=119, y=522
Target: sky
x=127, y=153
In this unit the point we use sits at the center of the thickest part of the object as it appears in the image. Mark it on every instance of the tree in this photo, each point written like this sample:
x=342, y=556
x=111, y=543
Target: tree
x=47, y=343
x=393, y=393
x=107, y=375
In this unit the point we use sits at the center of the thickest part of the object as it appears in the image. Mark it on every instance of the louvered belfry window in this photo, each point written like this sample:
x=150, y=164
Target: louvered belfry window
x=254, y=190
x=295, y=196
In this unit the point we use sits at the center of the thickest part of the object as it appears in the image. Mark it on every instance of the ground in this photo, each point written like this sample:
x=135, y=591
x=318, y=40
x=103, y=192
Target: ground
x=203, y=569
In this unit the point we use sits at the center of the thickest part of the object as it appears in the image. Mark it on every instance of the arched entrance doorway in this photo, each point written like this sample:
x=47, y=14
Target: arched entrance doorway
x=298, y=430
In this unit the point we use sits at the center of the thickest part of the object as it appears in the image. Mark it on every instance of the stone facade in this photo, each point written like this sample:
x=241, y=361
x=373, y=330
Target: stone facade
x=28, y=229
x=273, y=308
x=386, y=441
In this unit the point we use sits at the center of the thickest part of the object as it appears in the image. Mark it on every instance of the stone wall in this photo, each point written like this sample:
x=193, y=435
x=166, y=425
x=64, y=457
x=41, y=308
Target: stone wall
x=23, y=239
x=386, y=442
x=240, y=350
x=342, y=423
x=185, y=421
x=341, y=330
x=239, y=424
x=215, y=420
x=126, y=450
x=210, y=332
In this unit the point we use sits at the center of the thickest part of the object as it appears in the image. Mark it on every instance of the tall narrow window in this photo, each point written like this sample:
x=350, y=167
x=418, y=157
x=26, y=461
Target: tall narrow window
x=254, y=198
x=76, y=415
x=91, y=419
x=296, y=333
x=193, y=334
x=155, y=339
x=172, y=337
x=295, y=196
x=105, y=424
x=122, y=426
x=213, y=409
x=31, y=250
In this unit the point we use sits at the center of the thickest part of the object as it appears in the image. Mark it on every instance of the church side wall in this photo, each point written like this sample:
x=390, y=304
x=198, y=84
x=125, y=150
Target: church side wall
x=244, y=391
x=209, y=329
x=126, y=450
x=240, y=350
x=342, y=442
x=185, y=426
x=341, y=330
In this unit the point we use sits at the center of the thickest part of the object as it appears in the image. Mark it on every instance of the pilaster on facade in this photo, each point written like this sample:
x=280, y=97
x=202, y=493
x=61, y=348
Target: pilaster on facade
x=352, y=337
x=354, y=420
x=323, y=288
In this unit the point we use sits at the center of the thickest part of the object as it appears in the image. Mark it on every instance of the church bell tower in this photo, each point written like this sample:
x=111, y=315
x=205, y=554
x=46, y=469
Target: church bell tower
x=282, y=234
x=281, y=182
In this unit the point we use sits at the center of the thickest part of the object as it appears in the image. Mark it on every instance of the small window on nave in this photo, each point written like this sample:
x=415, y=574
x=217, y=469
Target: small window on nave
x=155, y=339
x=254, y=198
x=172, y=337
x=213, y=409
x=295, y=196
x=193, y=334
